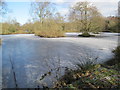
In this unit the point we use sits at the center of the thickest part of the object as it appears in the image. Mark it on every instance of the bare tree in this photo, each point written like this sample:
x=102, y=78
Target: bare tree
x=60, y=20
x=3, y=7
x=41, y=10
x=85, y=15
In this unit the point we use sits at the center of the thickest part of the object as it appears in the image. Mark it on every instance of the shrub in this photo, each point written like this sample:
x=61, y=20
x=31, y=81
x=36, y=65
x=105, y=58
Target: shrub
x=49, y=34
x=85, y=34
x=48, y=29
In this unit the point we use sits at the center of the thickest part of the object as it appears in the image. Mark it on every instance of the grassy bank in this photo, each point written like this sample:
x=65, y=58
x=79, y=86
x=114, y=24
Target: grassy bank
x=96, y=76
x=105, y=75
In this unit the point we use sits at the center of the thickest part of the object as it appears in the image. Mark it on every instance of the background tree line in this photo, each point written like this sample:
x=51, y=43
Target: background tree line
x=47, y=22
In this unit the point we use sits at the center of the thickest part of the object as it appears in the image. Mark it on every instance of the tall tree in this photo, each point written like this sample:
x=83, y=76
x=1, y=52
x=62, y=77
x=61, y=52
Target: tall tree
x=60, y=20
x=86, y=17
x=41, y=10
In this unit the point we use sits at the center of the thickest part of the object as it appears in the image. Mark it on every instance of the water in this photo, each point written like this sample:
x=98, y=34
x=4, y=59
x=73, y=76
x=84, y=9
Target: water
x=33, y=56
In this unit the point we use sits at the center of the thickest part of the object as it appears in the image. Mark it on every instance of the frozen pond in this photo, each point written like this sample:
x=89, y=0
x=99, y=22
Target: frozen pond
x=32, y=56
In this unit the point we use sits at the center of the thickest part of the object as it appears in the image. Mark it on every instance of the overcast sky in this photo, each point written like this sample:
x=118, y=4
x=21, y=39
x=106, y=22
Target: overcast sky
x=19, y=9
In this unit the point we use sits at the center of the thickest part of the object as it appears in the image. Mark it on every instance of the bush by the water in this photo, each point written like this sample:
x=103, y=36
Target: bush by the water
x=48, y=29
x=86, y=35
x=49, y=34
